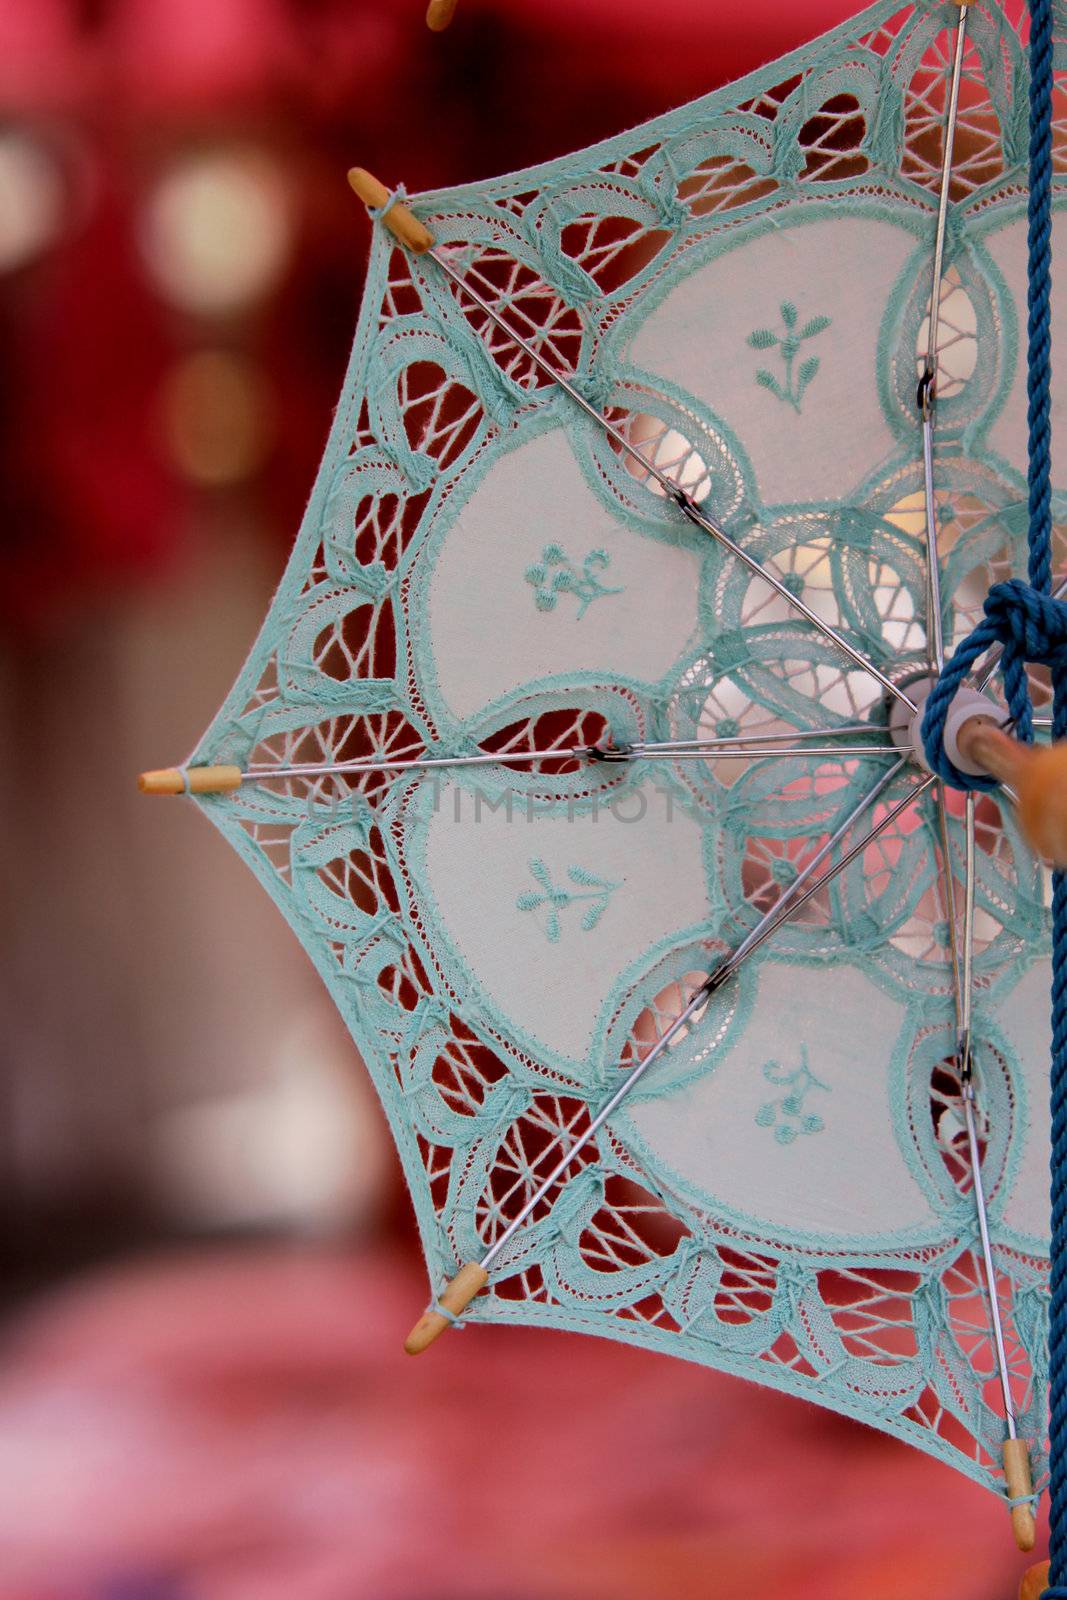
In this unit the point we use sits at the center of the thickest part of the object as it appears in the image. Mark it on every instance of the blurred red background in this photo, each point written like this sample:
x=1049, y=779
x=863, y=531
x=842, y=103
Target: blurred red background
x=210, y=1259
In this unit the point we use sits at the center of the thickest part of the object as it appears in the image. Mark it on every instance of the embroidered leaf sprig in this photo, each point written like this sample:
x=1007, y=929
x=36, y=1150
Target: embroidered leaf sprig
x=788, y=341
x=557, y=574
x=787, y=1115
x=594, y=891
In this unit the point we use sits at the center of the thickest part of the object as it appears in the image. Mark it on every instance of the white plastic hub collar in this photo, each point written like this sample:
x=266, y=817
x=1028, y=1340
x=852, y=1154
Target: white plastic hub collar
x=905, y=727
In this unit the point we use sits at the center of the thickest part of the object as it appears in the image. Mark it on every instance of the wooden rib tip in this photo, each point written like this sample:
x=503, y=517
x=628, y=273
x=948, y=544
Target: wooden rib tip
x=399, y=219
x=1035, y=1581
x=166, y=780
x=1024, y=1528
x=439, y=14
x=430, y=1326
x=190, y=780
x=455, y=1297
x=363, y=183
x=1019, y=1485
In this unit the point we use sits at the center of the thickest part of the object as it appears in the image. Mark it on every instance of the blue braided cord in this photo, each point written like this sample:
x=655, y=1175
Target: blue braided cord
x=1057, y=1335
x=1038, y=297
x=1054, y=1594
x=1039, y=482
x=940, y=699
x=394, y=195
x=1029, y=626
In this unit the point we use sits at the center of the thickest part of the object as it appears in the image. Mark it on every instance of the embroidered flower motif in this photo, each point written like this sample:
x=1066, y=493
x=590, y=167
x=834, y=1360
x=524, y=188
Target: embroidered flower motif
x=557, y=574
x=594, y=891
x=788, y=342
x=786, y=1115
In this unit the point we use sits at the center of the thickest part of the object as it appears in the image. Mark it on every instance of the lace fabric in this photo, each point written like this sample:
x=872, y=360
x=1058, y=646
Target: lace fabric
x=743, y=287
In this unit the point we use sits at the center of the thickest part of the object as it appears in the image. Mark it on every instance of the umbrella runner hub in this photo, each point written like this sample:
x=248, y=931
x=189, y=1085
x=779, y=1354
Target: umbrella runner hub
x=977, y=744
x=905, y=727
x=903, y=722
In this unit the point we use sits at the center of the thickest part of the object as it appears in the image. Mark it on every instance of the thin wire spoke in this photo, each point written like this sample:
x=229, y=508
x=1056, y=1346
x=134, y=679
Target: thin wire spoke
x=673, y=751
x=951, y=114
x=675, y=492
x=263, y=770
x=769, y=738
x=970, y=869
x=786, y=908
x=751, y=752
x=791, y=903
x=935, y=643
x=962, y=950
x=947, y=884
x=965, y=1054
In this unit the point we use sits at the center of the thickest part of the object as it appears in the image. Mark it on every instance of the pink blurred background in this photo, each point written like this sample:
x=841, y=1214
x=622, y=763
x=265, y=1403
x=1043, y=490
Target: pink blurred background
x=209, y=1257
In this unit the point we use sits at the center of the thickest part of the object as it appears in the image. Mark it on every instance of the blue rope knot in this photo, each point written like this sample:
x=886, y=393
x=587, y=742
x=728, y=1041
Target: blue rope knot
x=1029, y=627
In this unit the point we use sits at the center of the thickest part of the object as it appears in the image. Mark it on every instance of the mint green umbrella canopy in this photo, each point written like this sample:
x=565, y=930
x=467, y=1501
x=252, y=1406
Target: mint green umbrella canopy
x=529, y=750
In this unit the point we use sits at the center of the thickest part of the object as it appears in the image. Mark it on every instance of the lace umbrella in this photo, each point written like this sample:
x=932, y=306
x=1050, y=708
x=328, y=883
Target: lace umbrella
x=580, y=746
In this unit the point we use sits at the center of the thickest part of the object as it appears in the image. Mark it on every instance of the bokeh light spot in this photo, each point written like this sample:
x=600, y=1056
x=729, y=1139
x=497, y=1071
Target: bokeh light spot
x=31, y=199
x=217, y=421
x=217, y=233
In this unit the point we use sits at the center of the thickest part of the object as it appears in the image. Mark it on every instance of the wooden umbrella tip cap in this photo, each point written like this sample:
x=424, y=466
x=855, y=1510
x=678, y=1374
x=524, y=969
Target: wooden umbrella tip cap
x=1035, y=1581
x=449, y=1305
x=1042, y=787
x=1019, y=1485
x=190, y=780
x=164, y=780
x=439, y=14
x=370, y=189
x=1024, y=1528
x=385, y=207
